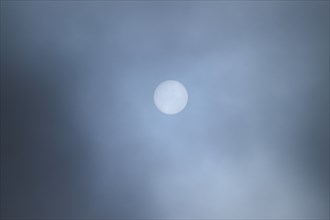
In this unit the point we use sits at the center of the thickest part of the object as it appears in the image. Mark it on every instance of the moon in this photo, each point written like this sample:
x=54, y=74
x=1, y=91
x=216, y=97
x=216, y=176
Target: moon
x=170, y=97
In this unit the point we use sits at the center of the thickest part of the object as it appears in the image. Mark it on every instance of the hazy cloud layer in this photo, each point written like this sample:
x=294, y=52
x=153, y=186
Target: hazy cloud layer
x=82, y=138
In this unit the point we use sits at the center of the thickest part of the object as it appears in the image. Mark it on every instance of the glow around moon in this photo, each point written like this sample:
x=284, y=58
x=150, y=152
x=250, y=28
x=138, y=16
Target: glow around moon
x=170, y=97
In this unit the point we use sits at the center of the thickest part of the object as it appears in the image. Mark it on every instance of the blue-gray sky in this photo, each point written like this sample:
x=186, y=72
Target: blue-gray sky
x=81, y=137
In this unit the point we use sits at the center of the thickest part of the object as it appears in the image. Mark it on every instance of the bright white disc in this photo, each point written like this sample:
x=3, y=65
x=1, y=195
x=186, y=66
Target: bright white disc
x=170, y=97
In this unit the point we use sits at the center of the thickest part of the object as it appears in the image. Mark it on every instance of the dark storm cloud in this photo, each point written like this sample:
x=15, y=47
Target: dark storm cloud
x=82, y=138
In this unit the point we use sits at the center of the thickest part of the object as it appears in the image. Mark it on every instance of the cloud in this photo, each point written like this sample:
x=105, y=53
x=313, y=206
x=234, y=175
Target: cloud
x=83, y=139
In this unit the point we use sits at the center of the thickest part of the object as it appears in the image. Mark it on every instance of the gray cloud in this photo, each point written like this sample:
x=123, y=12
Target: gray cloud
x=81, y=136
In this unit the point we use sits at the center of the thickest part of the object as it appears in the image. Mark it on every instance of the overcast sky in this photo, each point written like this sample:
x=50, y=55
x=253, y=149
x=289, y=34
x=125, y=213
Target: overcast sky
x=81, y=137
